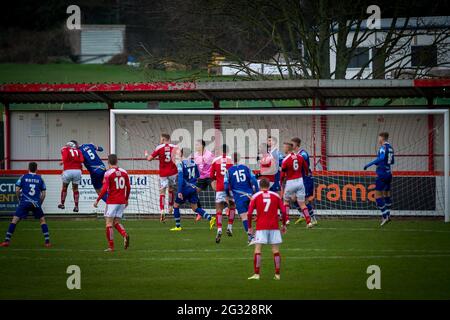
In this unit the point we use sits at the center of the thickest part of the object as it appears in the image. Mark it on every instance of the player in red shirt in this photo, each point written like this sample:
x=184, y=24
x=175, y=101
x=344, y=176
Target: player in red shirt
x=165, y=153
x=267, y=203
x=72, y=160
x=219, y=168
x=117, y=184
x=293, y=168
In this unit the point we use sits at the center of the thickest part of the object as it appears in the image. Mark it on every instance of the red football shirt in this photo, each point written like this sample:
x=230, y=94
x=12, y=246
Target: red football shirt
x=117, y=183
x=219, y=168
x=267, y=203
x=166, y=156
x=293, y=166
x=71, y=158
x=267, y=167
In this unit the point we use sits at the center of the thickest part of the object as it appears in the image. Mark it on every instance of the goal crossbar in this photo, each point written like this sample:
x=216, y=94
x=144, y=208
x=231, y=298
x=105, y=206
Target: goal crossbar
x=345, y=112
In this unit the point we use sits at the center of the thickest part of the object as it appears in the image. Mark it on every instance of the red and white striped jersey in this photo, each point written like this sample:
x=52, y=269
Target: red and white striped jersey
x=116, y=183
x=72, y=158
x=166, y=155
x=267, y=203
x=219, y=168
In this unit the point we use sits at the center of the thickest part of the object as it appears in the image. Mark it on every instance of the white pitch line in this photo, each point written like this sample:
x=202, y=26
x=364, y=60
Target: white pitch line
x=206, y=228
x=243, y=249
x=228, y=259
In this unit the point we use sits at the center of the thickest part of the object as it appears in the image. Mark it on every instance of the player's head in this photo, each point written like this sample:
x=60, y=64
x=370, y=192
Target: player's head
x=32, y=167
x=185, y=153
x=383, y=137
x=71, y=144
x=112, y=159
x=165, y=138
x=75, y=142
x=272, y=141
x=224, y=148
x=287, y=147
x=296, y=141
x=263, y=148
x=200, y=145
x=264, y=184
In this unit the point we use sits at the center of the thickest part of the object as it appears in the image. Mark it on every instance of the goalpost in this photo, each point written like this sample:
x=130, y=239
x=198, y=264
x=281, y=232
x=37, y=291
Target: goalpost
x=340, y=143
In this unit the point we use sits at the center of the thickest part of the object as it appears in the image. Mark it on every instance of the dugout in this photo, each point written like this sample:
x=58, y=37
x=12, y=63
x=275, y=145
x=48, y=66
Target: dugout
x=31, y=133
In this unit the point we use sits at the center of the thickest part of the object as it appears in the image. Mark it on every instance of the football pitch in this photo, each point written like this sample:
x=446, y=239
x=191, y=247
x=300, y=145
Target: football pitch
x=327, y=262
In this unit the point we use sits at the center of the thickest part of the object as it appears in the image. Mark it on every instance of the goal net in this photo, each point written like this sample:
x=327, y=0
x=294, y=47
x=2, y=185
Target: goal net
x=339, y=143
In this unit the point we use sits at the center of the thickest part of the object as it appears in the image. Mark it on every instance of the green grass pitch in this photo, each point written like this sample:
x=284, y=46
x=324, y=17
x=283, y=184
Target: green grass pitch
x=328, y=262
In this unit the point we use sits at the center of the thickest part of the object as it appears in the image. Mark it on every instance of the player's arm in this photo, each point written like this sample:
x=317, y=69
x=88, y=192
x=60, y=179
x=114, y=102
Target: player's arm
x=103, y=191
x=64, y=156
x=18, y=190
x=43, y=191
x=380, y=157
x=212, y=173
x=254, y=181
x=151, y=156
x=251, y=208
x=128, y=190
x=284, y=217
x=180, y=179
x=99, y=148
x=226, y=183
x=305, y=165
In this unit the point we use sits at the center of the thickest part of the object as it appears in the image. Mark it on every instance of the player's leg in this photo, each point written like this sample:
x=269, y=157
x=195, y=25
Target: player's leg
x=276, y=260
x=65, y=186
x=163, y=185
x=39, y=214
x=379, y=200
x=172, y=188
x=256, y=262
x=300, y=196
x=110, y=233
x=388, y=202
x=309, y=194
x=220, y=204
x=121, y=229
x=76, y=196
x=177, y=215
x=11, y=228
x=193, y=199
x=97, y=182
x=231, y=216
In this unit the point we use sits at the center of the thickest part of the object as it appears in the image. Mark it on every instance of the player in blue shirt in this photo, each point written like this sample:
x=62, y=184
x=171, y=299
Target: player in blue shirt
x=308, y=180
x=94, y=165
x=241, y=183
x=30, y=190
x=384, y=160
x=187, y=190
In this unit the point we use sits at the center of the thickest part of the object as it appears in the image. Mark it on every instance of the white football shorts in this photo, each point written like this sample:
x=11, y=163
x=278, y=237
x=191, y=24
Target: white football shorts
x=268, y=236
x=114, y=210
x=294, y=187
x=71, y=175
x=170, y=181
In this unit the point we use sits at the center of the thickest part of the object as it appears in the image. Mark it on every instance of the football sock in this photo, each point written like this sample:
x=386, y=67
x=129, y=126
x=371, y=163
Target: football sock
x=231, y=217
x=388, y=204
x=203, y=213
x=277, y=262
x=44, y=229
x=257, y=262
x=245, y=224
x=110, y=236
x=176, y=214
x=9, y=233
x=382, y=206
x=119, y=227
x=162, y=199
x=219, y=220
x=171, y=199
x=306, y=215
x=63, y=195
x=310, y=209
x=76, y=197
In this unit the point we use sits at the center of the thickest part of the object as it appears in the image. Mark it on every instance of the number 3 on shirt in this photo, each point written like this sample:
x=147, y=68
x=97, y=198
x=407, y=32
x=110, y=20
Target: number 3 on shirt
x=120, y=182
x=167, y=156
